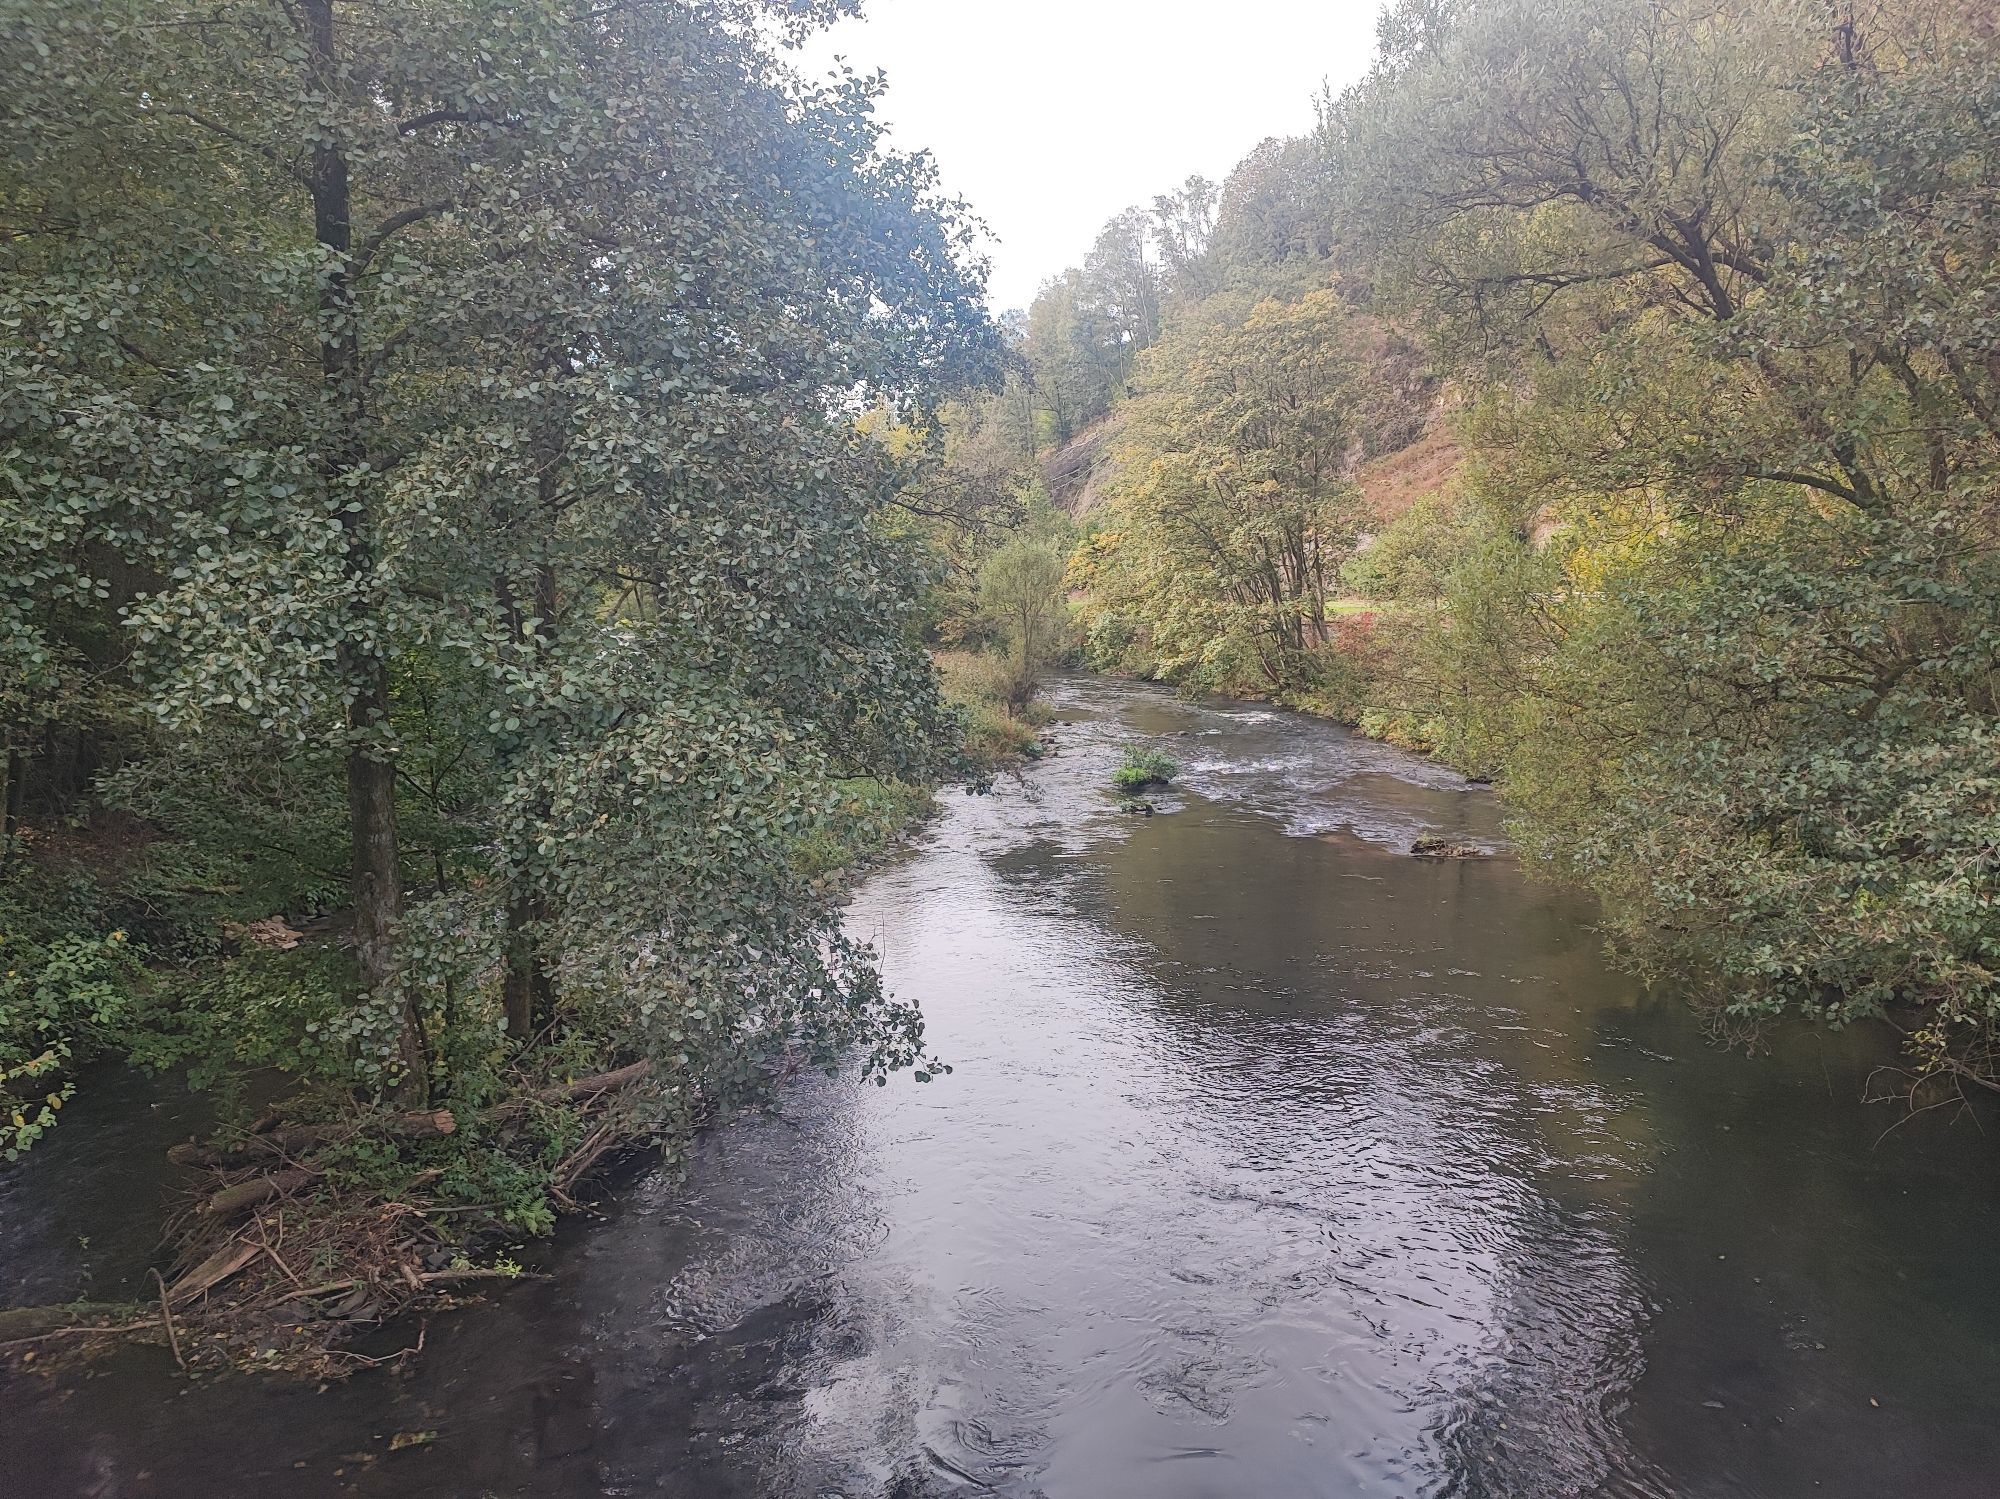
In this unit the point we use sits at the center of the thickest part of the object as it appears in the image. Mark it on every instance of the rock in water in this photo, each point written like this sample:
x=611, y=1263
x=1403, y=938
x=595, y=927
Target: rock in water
x=1430, y=846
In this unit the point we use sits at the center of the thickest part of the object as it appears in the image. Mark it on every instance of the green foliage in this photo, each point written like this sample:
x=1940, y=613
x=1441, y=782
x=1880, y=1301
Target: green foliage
x=264, y=1010
x=1717, y=596
x=428, y=490
x=1232, y=515
x=1021, y=585
x=237, y=834
x=980, y=687
x=73, y=981
x=1142, y=768
x=61, y=996
x=869, y=816
x=1712, y=292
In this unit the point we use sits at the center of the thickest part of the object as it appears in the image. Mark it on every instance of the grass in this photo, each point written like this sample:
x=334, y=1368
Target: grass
x=1143, y=768
x=868, y=819
x=983, y=687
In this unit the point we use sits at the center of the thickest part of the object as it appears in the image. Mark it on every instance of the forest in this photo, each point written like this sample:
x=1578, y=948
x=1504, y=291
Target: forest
x=452, y=635
x=1605, y=399
x=502, y=508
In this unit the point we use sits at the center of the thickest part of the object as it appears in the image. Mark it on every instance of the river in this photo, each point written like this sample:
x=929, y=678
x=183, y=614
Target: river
x=1274, y=1162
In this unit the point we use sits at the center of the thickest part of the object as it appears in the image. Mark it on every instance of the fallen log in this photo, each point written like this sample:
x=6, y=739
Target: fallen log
x=232, y=1200
x=242, y=1152
x=583, y=1090
x=603, y=1082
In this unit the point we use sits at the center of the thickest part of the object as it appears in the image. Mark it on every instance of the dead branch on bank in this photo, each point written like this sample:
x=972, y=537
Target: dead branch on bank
x=270, y=1189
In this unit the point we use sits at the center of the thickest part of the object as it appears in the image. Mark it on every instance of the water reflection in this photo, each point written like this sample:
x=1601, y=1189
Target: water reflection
x=1275, y=1163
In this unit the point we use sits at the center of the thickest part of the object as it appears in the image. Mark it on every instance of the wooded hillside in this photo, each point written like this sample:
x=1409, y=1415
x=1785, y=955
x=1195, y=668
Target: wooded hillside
x=1603, y=398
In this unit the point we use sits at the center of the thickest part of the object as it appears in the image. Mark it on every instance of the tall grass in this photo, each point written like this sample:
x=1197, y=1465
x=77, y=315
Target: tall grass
x=983, y=686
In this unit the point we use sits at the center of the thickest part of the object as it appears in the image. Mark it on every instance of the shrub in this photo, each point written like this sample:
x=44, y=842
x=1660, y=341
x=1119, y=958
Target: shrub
x=982, y=687
x=62, y=992
x=1143, y=768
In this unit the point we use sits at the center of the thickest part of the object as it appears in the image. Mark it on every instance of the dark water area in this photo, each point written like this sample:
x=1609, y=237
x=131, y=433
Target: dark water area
x=1275, y=1162
x=81, y=1214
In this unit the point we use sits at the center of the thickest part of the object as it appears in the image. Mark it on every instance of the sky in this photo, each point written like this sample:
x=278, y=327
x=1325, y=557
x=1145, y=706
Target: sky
x=1050, y=116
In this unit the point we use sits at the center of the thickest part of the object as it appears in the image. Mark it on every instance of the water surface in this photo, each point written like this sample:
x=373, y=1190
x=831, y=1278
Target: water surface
x=1274, y=1162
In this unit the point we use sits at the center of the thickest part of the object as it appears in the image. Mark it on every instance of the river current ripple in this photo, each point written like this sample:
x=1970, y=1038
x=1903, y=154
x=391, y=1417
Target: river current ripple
x=1273, y=1162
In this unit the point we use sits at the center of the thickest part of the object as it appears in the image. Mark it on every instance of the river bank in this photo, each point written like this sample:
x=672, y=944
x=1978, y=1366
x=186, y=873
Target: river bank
x=1273, y=1161
x=378, y=1208
x=287, y=1222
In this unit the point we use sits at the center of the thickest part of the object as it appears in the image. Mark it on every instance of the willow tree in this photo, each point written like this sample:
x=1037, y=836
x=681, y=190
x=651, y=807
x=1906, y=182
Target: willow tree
x=477, y=375
x=1021, y=587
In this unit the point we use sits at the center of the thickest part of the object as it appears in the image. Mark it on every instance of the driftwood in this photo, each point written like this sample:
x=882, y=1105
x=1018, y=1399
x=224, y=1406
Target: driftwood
x=1431, y=846
x=258, y=1190
x=287, y=1145
x=266, y=1140
x=603, y=1082
x=29, y=1324
x=233, y=1153
x=167, y=1321
x=583, y=1090
x=300, y=1138
x=416, y=1280
x=275, y=1153
x=214, y=1270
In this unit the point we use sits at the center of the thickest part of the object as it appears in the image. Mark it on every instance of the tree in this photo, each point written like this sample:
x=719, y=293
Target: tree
x=1122, y=284
x=1269, y=212
x=1725, y=278
x=1022, y=586
x=1232, y=511
x=1183, y=223
x=462, y=385
x=1069, y=356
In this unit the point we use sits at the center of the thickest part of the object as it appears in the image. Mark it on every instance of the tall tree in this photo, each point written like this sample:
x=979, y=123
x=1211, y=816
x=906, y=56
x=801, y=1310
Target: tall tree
x=1066, y=349
x=1183, y=225
x=1232, y=511
x=1122, y=282
x=448, y=372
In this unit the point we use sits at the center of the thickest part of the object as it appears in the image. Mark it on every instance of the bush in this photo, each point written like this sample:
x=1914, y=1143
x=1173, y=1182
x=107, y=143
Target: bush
x=1143, y=768
x=65, y=986
x=982, y=687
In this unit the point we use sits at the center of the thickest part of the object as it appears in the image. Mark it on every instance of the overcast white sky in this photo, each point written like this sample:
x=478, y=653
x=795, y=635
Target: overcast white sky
x=1052, y=115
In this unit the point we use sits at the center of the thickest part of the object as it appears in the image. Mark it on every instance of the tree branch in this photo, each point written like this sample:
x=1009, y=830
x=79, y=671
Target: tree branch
x=393, y=225
x=216, y=127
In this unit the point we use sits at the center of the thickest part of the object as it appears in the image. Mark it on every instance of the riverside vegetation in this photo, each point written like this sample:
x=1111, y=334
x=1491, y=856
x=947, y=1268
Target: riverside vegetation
x=1144, y=768
x=488, y=496
x=1605, y=398
x=456, y=629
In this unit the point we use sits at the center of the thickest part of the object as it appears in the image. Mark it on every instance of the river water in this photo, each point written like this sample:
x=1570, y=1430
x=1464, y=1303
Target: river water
x=1274, y=1162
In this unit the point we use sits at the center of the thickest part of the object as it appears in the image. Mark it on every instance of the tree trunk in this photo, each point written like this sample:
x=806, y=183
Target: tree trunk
x=375, y=876
x=12, y=797
x=529, y=991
